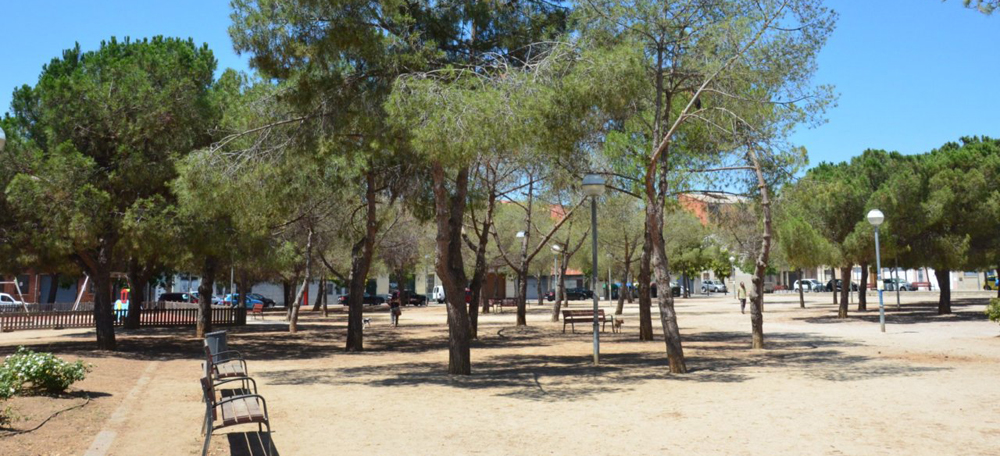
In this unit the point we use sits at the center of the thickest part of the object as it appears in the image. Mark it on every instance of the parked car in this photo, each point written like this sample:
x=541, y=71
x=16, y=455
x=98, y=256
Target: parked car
x=368, y=300
x=215, y=299
x=572, y=294
x=712, y=286
x=438, y=294
x=809, y=285
x=268, y=302
x=8, y=303
x=840, y=286
x=412, y=298
x=770, y=286
x=233, y=298
x=991, y=283
x=893, y=283
x=177, y=297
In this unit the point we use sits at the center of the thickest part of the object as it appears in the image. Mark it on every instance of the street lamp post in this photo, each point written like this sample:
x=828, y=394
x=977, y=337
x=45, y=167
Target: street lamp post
x=557, y=292
x=875, y=217
x=593, y=186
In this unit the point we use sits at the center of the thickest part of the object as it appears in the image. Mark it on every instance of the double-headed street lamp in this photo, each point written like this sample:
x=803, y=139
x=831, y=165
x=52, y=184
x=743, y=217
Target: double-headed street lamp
x=875, y=217
x=593, y=186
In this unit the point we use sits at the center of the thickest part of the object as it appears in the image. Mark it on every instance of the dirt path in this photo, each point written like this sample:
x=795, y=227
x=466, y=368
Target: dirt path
x=824, y=386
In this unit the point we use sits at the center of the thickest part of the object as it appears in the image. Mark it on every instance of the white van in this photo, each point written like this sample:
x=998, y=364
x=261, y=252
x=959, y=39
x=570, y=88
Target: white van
x=438, y=294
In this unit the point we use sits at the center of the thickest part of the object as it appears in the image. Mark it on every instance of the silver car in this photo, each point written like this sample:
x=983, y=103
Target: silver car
x=712, y=286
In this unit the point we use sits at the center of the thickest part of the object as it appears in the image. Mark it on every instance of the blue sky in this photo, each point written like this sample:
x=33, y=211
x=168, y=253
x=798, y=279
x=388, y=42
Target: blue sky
x=911, y=74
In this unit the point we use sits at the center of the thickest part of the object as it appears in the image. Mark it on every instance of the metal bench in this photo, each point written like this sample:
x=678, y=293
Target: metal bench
x=582, y=316
x=224, y=364
x=221, y=412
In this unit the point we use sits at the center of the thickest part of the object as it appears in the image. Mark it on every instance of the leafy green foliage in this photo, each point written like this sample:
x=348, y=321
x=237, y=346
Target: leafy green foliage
x=29, y=372
x=993, y=310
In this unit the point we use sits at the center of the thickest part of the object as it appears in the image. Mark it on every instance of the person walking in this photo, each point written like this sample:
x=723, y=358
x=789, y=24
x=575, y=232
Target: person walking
x=394, y=312
x=741, y=294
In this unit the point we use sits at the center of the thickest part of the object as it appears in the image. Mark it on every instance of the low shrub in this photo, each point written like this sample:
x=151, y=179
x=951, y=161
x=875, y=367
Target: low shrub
x=993, y=310
x=27, y=371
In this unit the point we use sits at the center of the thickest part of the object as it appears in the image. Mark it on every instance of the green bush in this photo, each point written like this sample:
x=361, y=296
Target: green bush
x=993, y=310
x=27, y=371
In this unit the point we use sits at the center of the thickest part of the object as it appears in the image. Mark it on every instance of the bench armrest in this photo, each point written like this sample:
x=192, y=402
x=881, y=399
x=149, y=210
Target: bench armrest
x=228, y=354
x=237, y=379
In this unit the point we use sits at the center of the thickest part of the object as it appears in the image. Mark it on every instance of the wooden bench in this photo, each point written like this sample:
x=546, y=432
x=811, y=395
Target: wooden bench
x=920, y=285
x=582, y=316
x=244, y=408
x=498, y=304
x=258, y=309
x=224, y=364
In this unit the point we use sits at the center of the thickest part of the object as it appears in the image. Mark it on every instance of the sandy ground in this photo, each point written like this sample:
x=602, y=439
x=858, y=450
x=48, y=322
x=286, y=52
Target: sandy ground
x=823, y=386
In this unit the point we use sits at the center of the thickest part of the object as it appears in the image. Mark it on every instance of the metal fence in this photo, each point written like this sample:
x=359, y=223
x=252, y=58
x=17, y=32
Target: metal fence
x=59, y=319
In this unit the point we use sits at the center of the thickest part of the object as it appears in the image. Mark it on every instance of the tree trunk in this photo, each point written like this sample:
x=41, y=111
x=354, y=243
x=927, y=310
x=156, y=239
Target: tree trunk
x=757, y=304
x=621, y=296
x=361, y=260
x=802, y=297
x=286, y=293
x=665, y=299
x=833, y=282
x=538, y=288
x=320, y=292
x=845, y=290
x=522, y=298
x=479, y=273
x=326, y=296
x=132, y=317
x=104, y=318
x=944, y=283
x=560, y=290
x=645, y=301
x=139, y=280
x=863, y=296
x=449, y=212
x=293, y=325
x=205, y=292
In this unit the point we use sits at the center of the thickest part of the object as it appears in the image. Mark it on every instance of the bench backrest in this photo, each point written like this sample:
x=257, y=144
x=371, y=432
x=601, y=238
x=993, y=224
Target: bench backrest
x=582, y=313
x=216, y=341
x=258, y=308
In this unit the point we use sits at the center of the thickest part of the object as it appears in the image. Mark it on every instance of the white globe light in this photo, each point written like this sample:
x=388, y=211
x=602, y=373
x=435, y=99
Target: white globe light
x=875, y=217
x=3, y=139
x=593, y=185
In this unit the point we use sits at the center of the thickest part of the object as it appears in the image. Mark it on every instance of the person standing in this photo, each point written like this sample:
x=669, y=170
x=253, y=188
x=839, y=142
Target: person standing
x=741, y=294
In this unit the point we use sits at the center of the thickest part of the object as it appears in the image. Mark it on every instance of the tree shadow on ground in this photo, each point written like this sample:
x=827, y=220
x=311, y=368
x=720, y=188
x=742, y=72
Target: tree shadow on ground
x=907, y=314
x=539, y=377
